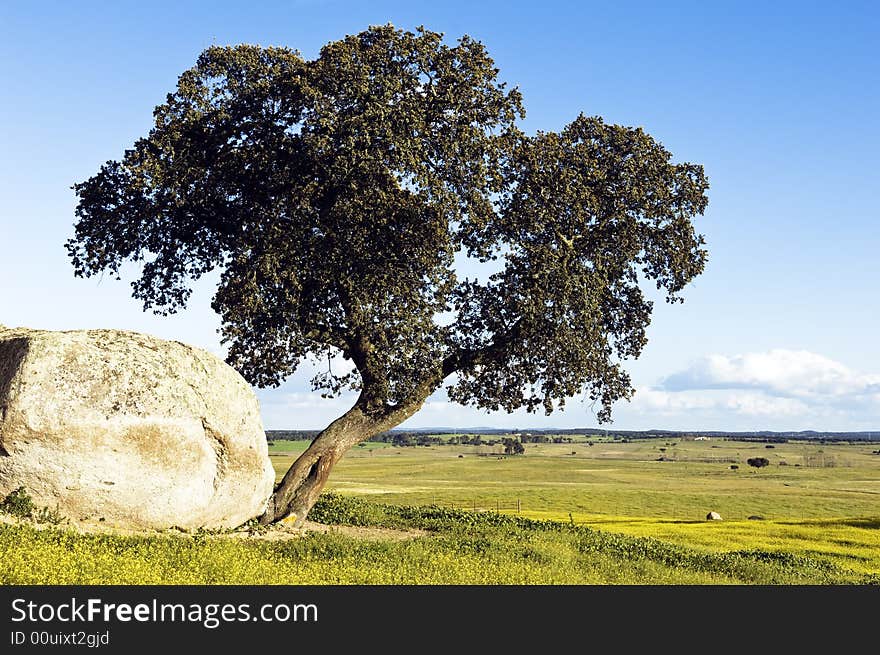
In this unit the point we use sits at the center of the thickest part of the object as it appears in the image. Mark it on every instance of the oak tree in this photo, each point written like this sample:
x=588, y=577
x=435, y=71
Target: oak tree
x=336, y=196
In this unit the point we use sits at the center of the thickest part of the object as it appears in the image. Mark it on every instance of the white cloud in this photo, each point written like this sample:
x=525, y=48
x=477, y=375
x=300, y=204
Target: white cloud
x=669, y=403
x=789, y=389
x=785, y=373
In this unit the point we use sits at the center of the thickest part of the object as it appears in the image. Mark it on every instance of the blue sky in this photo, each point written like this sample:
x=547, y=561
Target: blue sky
x=780, y=105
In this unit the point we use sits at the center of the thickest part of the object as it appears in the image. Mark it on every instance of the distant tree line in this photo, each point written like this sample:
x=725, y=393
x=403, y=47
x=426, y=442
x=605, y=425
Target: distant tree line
x=543, y=438
x=566, y=435
x=405, y=438
x=291, y=435
x=513, y=447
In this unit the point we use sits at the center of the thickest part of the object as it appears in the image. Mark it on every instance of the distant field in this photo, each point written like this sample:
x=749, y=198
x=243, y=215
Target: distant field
x=619, y=479
x=817, y=499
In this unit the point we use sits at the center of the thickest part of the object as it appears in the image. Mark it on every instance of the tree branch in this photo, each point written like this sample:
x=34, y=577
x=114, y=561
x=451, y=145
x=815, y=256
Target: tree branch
x=465, y=358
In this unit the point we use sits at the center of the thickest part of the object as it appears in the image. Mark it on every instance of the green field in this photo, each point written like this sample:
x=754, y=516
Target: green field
x=609, y=513
x=816, y=499
x=429, y=545
x=619, y=479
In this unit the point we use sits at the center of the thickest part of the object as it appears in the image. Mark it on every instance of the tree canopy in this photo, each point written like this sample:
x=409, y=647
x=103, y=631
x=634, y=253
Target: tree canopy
x=335, y=196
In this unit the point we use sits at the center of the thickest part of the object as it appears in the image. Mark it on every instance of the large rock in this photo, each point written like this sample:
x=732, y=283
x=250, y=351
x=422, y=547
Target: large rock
x=134, y=429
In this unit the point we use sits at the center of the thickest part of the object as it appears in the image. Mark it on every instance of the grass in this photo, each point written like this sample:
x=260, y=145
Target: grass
x=619, y=479
x=455, y=547
x=603, y=514
x=822, y=502
x=851, y=544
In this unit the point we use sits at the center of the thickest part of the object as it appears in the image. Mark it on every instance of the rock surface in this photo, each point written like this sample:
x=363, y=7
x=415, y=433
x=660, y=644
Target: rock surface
x=713, y=516
x=137, y=430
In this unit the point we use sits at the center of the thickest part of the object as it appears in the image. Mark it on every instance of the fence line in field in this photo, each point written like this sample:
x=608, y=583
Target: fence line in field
x=481, y=505
x=675, y=512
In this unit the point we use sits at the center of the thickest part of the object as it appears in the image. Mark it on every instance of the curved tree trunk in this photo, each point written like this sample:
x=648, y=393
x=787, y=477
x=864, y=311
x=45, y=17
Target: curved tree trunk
x=300, y=487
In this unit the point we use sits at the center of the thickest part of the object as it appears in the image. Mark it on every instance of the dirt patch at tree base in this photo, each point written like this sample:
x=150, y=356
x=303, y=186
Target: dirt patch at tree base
x=277, y=532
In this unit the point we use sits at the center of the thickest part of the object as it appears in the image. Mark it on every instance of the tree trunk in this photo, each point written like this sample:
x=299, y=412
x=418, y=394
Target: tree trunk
x=300, y=487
